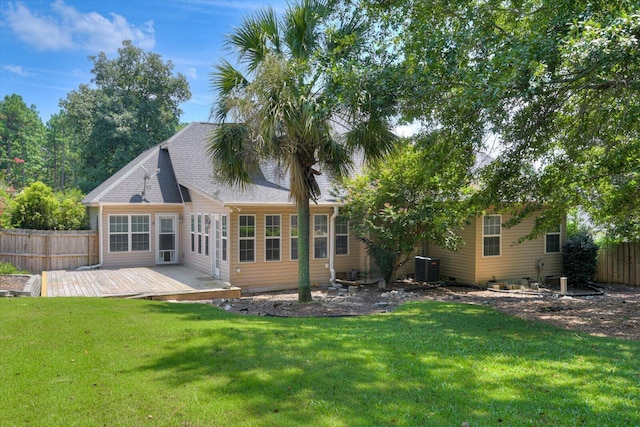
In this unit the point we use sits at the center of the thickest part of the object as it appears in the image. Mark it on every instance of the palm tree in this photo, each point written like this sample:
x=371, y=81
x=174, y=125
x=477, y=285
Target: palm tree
x=287, y=103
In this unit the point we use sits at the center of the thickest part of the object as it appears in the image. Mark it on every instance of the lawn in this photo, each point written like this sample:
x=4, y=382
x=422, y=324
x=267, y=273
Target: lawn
x=94, y=362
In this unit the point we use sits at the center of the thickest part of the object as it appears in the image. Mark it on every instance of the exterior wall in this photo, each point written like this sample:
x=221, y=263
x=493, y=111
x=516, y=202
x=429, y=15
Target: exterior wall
x=282, y=274
x=517, y=260
x=133, y=258
x=201, y=261
x=457, y=266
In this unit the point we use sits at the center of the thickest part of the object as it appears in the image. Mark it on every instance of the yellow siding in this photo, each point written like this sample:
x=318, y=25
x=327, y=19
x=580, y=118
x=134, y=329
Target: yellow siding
x=132, y=259
x=457, y=266
x=516, y=260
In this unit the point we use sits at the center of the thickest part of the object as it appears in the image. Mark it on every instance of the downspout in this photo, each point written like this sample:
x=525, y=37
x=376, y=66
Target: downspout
x=100, y=260
x=332, y=246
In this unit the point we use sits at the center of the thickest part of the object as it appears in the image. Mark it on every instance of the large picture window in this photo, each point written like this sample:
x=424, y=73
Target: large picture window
x=247, y=238
x=293, y=237
x=129, y=233
x=272, y=237
x=491, y=231
x=320, y=236
x=342, y=236
x=552, y=241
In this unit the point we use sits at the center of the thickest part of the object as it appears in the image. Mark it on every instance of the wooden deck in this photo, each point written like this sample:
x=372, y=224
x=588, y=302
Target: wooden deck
x=173, y=282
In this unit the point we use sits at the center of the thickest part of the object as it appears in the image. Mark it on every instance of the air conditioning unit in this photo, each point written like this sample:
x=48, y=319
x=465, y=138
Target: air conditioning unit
x=427, y=269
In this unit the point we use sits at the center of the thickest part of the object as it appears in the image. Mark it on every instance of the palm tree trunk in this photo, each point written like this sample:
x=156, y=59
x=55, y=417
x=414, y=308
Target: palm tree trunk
x=304, y=279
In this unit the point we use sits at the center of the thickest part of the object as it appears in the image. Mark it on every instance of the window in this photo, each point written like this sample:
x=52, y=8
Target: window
x=207, y=227
x=129, y=233
x=193, y=233
x=293, y=235
x=492, y=227
x=119, y=233
x=552, y=241
x=247, y=238
x=199, y=233
x=272, y=237
x=140, y=233
x=342, y=236
x=224, y=237
x=320, y=236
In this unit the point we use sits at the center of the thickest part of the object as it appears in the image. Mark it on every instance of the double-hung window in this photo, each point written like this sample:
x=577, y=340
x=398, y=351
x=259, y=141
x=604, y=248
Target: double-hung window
x=193, y=232
x=224, y=237
x=320, y=236
x=129, y=233
x=199, y=233
x=247, y=238
x=552, y=241
x=293, y=236
x=342, y=236
x=491, y=235
x=272, y=230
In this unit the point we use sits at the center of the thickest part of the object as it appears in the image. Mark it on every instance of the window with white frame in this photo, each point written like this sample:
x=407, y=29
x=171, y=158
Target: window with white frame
x=320, y=236
x=491, y=235
x=224, y=237
x=207, y=232
x=293, y=236
x=193, y=232
x=129, y=233
x=199, y=230
x=247, y=238
x=342, y=236
x=272, y=230
x=552, y=241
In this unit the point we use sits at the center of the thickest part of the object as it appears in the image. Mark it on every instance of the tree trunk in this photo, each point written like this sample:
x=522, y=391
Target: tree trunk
x=397, y=263
x=304, y=279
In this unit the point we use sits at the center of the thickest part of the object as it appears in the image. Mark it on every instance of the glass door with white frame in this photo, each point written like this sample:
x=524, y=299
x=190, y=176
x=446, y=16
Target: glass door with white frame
x=167, y=239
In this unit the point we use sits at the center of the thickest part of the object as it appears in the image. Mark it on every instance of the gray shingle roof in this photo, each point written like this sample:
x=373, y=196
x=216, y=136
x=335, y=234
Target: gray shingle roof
x=185, y=165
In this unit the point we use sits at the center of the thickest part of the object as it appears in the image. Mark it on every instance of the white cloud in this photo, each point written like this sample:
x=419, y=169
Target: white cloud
x=17, y=69
x=191, y=72
x=66, y=28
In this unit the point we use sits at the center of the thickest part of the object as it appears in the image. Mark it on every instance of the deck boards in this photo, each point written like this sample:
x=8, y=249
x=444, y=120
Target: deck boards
x=163, y=282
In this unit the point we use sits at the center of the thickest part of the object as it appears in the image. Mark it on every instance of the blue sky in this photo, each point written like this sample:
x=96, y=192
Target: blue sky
x=44, y=44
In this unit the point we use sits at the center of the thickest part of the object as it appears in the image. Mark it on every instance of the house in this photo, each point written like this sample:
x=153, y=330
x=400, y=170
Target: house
x=167, y=207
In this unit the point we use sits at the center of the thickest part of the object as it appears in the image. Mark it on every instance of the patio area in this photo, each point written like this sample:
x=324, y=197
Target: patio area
x=173, y=282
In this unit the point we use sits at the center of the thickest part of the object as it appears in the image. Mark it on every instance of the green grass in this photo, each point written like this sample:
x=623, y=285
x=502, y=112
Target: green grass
x=94, y=362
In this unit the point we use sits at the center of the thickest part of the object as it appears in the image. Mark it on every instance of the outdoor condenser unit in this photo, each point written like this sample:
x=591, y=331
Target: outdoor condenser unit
x=427, y=269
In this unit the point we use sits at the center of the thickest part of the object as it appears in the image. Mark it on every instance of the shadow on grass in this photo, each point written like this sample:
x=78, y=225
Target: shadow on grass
x=425, y=364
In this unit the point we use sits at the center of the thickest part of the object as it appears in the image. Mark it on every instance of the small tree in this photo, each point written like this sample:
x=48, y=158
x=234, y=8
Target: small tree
x=580, y=258
x=413, y=195
x=38, y=208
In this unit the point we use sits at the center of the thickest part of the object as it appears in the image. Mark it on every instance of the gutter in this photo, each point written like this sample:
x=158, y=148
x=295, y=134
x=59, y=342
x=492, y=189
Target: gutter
x=332, y=245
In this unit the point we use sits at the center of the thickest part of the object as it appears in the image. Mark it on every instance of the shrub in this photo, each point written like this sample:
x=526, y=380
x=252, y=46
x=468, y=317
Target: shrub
x=8, y=268
x=38, y=208
x=580, y=258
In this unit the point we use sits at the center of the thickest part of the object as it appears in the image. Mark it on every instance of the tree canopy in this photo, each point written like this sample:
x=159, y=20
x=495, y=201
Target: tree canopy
x=132, y=105
x=555, y=83
x=302, y=100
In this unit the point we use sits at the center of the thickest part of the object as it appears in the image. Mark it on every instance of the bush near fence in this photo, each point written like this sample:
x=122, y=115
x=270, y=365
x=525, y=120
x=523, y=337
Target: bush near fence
x=619, y=263
x=42, y=250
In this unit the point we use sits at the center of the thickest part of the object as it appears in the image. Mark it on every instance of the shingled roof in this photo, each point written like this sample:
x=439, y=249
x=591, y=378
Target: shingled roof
x=181, y=165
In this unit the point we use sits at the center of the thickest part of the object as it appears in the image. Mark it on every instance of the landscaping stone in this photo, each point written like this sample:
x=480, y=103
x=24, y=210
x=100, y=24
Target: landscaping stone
x=353, y=289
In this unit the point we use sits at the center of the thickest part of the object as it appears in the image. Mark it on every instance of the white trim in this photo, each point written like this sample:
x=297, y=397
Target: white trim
x=129, y=233
x=176, y=227
x=224, y=238
x=291, y=237
x=254, y=238
x=273, y=238
x=314, y=237
x=335, y=232
x=492, y=235
x=554, y=233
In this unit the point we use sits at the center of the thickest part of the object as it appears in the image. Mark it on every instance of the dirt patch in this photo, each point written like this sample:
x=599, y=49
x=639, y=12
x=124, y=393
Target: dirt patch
x=615, y=312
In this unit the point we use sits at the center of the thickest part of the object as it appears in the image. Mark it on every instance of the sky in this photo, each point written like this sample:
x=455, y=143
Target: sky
x=45, y=44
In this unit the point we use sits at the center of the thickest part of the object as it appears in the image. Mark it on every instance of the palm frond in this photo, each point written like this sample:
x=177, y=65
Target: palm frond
x=225, y=79
x=257, y=36
x=301, y=23
x=335, y=158
x=374, y=137
x=232, y=153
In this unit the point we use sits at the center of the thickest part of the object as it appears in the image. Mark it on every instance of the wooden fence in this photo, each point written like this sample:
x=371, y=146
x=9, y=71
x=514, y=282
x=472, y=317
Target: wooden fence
x=619, y=263
x=39, y=250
